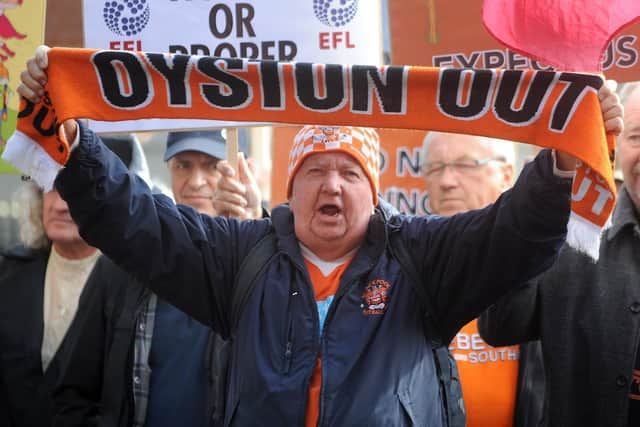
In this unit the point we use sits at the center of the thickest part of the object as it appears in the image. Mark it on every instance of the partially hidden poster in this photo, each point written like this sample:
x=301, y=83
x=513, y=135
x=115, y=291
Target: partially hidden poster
x=21, y=31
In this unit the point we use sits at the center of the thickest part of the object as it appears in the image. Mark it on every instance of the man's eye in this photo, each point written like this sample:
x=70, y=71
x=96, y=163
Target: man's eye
x=634, y=138
x=433, y=168
x=465, y=164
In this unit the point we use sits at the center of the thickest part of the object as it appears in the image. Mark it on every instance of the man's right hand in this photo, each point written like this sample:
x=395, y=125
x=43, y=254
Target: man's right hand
x=33, y=80
x=34, y=77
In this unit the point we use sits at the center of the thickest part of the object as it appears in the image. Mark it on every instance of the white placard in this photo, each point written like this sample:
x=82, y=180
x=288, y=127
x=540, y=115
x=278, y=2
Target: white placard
x=326, y=31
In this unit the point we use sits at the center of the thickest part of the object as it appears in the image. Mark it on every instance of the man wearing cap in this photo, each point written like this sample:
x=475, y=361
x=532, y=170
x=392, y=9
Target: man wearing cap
x=332, y=331
x=192, y=158
x=167, y=373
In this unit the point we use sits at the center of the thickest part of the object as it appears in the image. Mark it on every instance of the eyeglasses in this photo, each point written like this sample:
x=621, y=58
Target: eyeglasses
x=463, y=166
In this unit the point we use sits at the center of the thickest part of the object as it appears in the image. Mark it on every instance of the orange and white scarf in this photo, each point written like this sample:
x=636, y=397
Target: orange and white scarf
x=549, y=109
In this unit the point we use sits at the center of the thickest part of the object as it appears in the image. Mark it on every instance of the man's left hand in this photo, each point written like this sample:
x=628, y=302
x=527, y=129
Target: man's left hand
x=238, y=194
x=612, y=115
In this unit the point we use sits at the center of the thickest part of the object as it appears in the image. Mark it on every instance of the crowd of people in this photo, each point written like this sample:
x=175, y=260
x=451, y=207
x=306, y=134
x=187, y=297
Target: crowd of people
x=129, y=299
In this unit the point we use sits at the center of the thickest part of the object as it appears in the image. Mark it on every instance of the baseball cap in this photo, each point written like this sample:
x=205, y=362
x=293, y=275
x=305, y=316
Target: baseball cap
x=211, y=142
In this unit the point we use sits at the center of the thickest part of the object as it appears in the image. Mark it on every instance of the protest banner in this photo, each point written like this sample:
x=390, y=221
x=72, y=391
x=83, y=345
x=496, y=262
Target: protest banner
x=283, y=30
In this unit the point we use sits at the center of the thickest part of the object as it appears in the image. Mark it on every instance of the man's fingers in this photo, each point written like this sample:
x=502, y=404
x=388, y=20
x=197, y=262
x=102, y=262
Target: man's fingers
x=225, y=168
x=612, y=110
x=229, y=209
x=246, y=174
x=42, y=56
x=231, y=185
x=28, y=93
x=614, y=125
x=36, y=72
x=230, y=198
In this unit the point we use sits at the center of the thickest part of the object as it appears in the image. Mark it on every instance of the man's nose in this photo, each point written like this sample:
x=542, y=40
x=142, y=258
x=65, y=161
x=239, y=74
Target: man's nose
x=198, y=178
x=448, y=177
x=332, y=182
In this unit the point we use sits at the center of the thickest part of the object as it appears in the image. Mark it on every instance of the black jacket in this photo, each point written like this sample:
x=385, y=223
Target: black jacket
x=25, y=386
x=95, y=386
x=529, y=410
x=587, y=316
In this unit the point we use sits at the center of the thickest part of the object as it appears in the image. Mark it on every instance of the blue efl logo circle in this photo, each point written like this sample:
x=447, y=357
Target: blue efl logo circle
x=126, y=17
x=335, y=13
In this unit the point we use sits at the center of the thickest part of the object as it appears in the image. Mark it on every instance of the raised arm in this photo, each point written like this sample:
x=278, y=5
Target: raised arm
x=186, y=258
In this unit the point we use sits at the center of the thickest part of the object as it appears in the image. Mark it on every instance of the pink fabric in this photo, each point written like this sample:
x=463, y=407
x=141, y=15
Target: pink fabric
x=571, y=35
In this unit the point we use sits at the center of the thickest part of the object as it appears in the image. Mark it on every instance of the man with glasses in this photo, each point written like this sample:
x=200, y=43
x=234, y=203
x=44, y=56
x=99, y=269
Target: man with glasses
x=501, y=386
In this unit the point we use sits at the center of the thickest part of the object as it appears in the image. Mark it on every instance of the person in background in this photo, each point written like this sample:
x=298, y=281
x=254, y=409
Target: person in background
x=502, y=387
x=42, y=294
x=586, y=313
x=168, y=372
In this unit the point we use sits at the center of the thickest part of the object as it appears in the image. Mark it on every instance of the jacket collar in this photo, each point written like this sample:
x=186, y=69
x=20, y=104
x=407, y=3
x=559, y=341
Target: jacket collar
x=371, y=248
x=624, y=215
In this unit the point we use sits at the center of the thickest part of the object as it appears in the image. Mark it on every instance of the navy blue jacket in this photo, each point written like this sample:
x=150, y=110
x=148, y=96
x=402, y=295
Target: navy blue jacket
x=376, y=369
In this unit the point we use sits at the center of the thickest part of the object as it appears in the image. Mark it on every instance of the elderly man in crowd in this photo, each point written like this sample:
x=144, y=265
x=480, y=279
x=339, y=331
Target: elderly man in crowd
x=587, y=314
x=332, y=332
x=167, y=372
x=44, y=293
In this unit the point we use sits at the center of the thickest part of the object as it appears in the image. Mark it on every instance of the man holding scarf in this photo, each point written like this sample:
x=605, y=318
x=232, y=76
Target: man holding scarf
x=332, y=332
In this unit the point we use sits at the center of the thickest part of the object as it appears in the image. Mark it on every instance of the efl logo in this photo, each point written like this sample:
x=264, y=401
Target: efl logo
x=126, y=18
x=335, y=13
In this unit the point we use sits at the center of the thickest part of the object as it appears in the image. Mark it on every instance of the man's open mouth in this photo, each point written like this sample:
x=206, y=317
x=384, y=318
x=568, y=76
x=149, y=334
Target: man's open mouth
x=330, y=210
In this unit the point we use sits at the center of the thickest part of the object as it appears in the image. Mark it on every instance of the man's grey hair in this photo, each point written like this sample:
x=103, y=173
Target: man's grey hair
x=626, y=89
x=29, y=196
x=29, y=199
x=500, y=148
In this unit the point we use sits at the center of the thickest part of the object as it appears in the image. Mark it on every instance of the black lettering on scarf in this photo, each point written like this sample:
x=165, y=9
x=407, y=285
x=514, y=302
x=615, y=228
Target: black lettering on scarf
x=307, y=80
x=569, y=100
x=451, y=92
x=123, y=79
x=40, y=117
x=535, y=94
x=27, y=110
x=271, y=85
x=388, y=84
x=175, y=69
x=230, y=91
x=39, y=120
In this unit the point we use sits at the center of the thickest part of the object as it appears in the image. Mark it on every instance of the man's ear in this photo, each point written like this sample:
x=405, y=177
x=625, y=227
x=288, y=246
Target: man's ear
x=427, y=184
x=508, y=175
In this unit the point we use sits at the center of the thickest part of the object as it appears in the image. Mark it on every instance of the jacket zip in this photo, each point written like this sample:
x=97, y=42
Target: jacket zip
x=288, y=352
x=316, y=325
x=338, y=297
